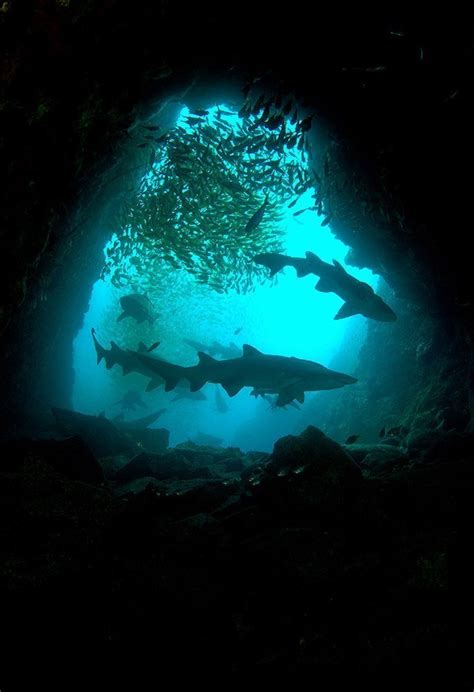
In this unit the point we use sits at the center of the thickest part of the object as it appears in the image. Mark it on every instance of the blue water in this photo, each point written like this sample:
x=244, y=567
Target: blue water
x=289, y=318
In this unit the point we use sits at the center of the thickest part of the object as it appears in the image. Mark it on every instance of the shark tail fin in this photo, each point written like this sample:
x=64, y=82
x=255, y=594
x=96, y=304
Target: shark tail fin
x=347, y=310
x=121, y=316
x=272, y=260
x=102, y=352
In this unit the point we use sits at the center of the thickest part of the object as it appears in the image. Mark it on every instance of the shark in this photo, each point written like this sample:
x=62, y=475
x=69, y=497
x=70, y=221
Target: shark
x=359, y=298
x=288, y=377
x=138, y=306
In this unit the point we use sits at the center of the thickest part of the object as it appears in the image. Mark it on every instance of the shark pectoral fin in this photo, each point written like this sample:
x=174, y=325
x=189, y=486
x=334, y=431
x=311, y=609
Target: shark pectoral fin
x=323, y=286
x=299, y=396
x=347, y=310
x=153, y=384
x=232, y=388
x=121, y=317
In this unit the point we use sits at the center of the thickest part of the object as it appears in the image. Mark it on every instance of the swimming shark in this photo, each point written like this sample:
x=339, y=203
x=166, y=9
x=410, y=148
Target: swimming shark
x=359, y=297
x=138, y=306
x=286, y=376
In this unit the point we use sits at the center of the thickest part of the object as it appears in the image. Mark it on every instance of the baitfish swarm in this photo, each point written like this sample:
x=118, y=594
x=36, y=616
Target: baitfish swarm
x=213, y=197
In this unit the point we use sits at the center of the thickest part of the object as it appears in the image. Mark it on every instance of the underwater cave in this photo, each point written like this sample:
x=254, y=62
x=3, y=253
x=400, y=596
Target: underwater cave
x=237, y=320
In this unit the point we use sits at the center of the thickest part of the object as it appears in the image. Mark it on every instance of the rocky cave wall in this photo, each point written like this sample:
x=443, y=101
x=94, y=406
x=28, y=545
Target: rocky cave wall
x=393, y=114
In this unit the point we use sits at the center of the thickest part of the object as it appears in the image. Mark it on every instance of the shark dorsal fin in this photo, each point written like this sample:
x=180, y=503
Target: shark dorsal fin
x=310, y=255
x=205, y=358
x=250, y=351
x=142, y=348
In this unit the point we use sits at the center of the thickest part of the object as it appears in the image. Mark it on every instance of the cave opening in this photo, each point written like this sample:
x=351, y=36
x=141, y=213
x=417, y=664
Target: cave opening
x=180, y=238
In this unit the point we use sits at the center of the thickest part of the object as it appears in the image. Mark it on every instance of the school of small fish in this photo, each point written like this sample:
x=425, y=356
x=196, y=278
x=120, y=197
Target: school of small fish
x=216, y=188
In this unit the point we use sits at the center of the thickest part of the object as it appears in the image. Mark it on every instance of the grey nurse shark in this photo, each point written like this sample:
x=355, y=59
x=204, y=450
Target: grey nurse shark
x=359, y=297
x=288, y=377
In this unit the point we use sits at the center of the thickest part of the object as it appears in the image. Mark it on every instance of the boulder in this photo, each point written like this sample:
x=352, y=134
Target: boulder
x=161, y=466
x=378, y=459
x=155, y=440
x=309, y=470
x=101, y=436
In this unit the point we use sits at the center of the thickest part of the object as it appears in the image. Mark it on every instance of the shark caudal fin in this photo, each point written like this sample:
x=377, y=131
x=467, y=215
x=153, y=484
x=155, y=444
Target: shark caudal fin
x=99, y=349
x=102, y=352
x=272, y=260
x=347, y=310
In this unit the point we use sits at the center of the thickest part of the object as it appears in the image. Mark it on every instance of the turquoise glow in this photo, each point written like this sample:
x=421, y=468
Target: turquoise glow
x=288, y=318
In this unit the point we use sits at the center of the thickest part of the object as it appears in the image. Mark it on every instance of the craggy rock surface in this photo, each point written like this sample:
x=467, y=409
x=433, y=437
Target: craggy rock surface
x=300, y=563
